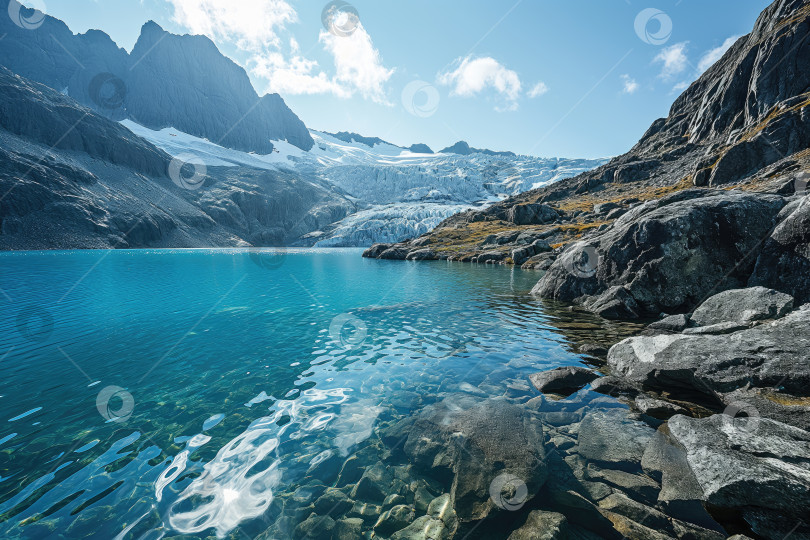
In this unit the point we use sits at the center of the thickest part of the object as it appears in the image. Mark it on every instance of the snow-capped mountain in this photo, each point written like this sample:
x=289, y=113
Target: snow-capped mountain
x=398, y=193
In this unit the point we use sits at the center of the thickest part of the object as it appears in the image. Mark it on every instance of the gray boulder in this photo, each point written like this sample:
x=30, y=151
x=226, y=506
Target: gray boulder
x=611, y=437
x=473, y=443
x=743, y=305
x=542, y=525
x=673, y=323
x=531, y=214
x=749, y=463
x=768, y=355
x=561, y=380
x=666, y=255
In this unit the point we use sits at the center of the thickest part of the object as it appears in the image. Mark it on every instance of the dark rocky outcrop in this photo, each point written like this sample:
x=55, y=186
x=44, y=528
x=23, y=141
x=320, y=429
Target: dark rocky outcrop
x=665, y=256
x=784, y=262
x=167, y=80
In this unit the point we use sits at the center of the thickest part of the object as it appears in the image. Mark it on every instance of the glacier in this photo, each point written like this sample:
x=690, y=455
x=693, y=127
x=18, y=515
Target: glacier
x=398, y=194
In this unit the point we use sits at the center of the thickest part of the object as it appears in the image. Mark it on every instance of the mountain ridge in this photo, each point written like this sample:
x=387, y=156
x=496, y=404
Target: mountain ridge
x=159, y=84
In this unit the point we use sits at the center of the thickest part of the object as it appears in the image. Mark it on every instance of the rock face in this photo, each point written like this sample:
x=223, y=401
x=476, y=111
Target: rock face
x=167, y=80
x=36, y=112
x=666, y=255
x=755, y=464
x=743, y=305
x=784, y=262
x=479, y=444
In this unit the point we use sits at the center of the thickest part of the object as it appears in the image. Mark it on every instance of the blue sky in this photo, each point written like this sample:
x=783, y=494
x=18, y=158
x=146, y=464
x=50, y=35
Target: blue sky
x=542, y=77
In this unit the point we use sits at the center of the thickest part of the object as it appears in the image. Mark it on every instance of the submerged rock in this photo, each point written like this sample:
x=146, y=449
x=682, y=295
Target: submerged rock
x=473, y=443
x=542, y=525
x=561, y=380
x=612, y=437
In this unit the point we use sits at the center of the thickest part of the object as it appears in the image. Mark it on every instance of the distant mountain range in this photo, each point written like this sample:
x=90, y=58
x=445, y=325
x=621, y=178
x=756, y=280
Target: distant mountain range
x=167, y=80
x=98, y=145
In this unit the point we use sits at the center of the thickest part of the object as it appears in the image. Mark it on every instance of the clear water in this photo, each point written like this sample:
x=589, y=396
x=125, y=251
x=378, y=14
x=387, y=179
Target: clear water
x=162, y=393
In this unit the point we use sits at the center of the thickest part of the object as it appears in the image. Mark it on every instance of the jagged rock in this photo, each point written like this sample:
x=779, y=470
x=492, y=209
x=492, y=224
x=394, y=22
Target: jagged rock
x=531, y=214
x=644, y=254
x=392, y=520
x=743, y=305
x=748, y=463
x=539, y=262
x=637, y=486
x=717, y=329
x=333, y=502
x=439, y=524
x=542, y=525
x=473, y=442
x=421, y=255
x=315, y=526
x=374, y=484
x=348, y=529
x=561, y=380
x=764, y=356
x=658, y=408
x=784, y=262
x=612, y=437
x=673, y=323
x=605, y=208
x=614, y=386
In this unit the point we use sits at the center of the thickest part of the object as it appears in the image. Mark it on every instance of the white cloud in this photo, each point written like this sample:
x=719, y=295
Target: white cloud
x=713, y=55
x=358, y=65
x=473, y=75
x=674, y=60
x=630, y=84
x=538, y=90
x=681, y=86
x=296, y=75
x=258, y=26
x=251, y=24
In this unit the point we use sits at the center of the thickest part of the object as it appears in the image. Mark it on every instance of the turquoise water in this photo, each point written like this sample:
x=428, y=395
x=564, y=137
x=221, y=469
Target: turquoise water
x=160, y=393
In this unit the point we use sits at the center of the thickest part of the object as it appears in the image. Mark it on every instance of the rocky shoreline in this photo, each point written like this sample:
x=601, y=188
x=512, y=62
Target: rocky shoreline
x=702, y=232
